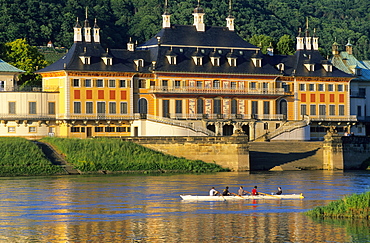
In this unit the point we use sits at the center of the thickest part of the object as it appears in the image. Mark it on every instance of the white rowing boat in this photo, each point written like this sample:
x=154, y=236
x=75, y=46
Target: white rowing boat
x=246, y=197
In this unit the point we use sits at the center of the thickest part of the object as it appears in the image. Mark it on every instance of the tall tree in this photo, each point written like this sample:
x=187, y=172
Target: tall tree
x=285, y=45
x=25, y=57
x=262, y=41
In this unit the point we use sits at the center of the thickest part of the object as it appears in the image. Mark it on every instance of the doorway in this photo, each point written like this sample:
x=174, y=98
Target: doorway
x=88, y=132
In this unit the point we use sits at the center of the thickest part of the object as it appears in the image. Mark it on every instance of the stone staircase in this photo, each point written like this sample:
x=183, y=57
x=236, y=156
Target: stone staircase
x=286, y=127
x=174, y=122
x=55, y=158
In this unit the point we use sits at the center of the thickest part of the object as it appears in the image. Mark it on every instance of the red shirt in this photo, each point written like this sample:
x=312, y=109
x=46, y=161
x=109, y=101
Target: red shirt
x=254, y=191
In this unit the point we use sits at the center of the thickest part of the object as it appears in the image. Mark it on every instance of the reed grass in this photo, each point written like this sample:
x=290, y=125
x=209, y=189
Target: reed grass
x=20, y=157
x=353, y=206
x=113, y=155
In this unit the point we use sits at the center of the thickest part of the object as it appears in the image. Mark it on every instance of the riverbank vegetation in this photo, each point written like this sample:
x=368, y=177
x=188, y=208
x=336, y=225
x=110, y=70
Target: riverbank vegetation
x=354, y=206
x=20, y=157
x=114, y=155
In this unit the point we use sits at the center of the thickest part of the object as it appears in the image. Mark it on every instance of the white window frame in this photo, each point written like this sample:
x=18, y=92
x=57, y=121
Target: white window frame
x=111, y=83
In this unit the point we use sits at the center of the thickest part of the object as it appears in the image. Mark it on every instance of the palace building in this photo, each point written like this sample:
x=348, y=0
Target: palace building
x=192, y=80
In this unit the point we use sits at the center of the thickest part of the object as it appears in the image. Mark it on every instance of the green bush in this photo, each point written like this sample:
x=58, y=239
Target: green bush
x=18, y=156
x=354, y=206
x=104, y=154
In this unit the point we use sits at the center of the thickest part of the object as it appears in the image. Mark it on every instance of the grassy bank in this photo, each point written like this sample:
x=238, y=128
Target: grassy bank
x=354, y=206
x=20, y=157
x=114, y=155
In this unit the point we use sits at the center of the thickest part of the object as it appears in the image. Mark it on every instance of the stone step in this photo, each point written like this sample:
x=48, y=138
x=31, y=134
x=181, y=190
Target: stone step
x=55, y=158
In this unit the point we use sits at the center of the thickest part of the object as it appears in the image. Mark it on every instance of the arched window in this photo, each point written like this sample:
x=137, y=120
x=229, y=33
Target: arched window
x=143, y=106
x=283, y=108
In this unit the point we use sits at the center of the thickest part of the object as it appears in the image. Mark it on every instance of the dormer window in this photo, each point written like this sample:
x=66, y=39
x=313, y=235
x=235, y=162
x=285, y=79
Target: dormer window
x=257, y=62
x=215, y=61
x=139, y=62
x=197, y=57
x=358, y=71
x=310, y=67
x=280, y=67
x=85, y=59
x=171, y=59
x=198, y=60
x=328, y=67
x=107, y=61
x=231, y=61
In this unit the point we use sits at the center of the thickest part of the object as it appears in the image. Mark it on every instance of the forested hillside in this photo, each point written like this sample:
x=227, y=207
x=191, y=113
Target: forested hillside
x=42, y=20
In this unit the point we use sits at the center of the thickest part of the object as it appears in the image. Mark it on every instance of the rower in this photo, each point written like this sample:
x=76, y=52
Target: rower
x=241, y=191
x=280, y=191
x=254, y=191
x=213, y=192
x=226, y=192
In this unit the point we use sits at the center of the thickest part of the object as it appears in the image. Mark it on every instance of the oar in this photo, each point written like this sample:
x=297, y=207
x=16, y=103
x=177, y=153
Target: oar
x=237, y=195
x=220, y=194
x=269, y=195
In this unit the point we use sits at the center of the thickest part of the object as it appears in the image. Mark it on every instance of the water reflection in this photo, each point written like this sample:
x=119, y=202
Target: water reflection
x=130, y=208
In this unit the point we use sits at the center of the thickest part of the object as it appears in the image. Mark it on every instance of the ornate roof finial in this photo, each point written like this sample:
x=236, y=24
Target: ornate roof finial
x=349, y=42
x=77, y=24
x=230, y=8
x=86, y=12
x=166, y=7
x=96, y=24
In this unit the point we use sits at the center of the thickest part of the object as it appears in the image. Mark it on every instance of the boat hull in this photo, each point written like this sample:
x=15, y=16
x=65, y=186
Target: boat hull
x=229, y=198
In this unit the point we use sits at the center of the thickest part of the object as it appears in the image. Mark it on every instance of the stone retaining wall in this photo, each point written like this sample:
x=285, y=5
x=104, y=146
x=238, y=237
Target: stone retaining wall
x=228, y=152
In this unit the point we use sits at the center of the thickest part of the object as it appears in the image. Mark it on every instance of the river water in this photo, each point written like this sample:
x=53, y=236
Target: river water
x=147, y=208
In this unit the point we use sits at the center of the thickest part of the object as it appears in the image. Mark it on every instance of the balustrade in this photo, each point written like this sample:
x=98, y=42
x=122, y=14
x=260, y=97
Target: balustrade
x=214, y=90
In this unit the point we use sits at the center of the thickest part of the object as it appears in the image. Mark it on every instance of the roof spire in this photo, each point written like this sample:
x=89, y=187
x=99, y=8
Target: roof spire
x=307, y=31
x=198, y=18
x=87, y=29
x=77, y=32
x=86, y=12
x=166, y=23
x=230, y=18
